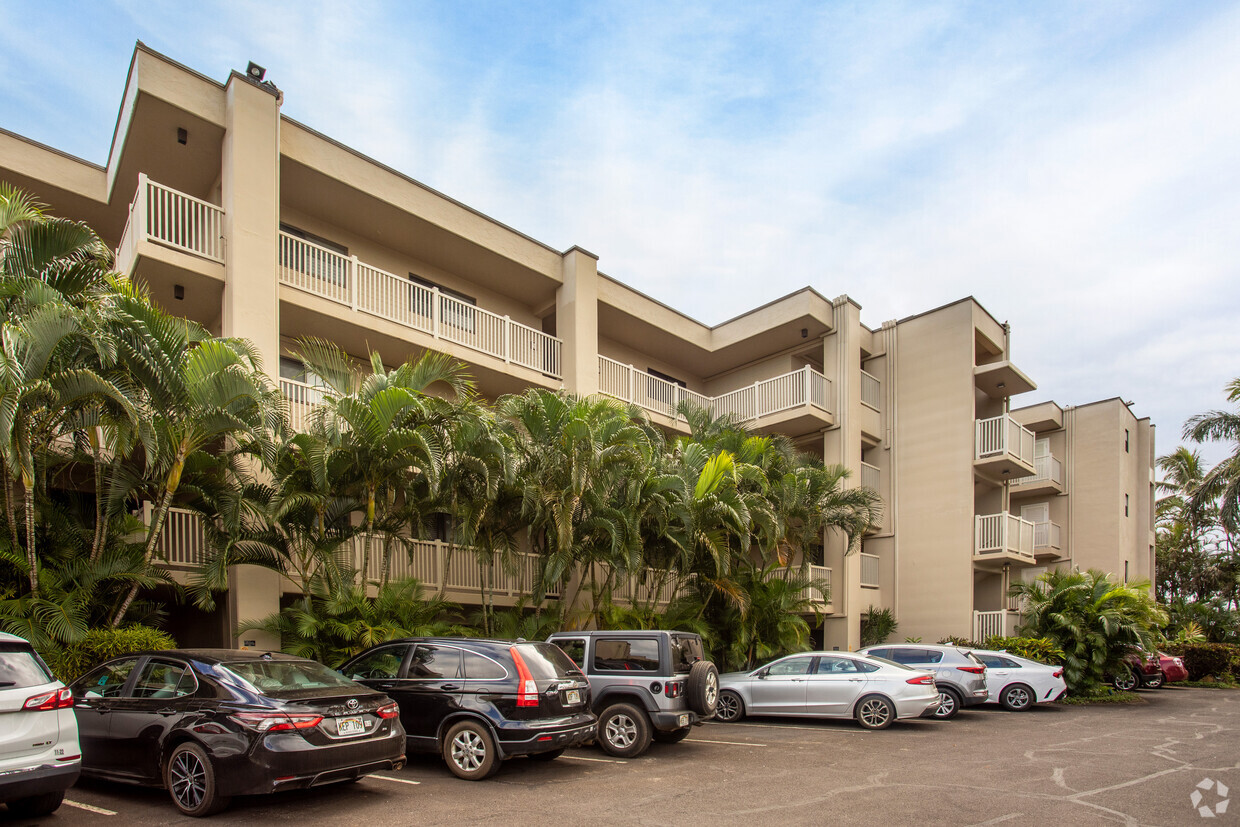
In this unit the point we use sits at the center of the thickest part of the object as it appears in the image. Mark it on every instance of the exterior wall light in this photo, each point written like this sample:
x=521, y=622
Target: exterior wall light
x=255, y=72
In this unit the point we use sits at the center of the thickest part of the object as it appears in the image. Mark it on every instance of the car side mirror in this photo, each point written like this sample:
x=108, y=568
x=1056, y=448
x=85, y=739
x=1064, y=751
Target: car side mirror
x=762, y=673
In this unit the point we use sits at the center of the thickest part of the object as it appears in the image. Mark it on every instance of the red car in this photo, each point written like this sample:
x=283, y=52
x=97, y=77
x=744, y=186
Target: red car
x=1173, y=668
x=1143, y=670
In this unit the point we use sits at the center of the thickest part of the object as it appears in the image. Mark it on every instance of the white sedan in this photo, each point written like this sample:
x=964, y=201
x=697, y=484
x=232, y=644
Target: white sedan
x=1018, y=683
x=829, y=685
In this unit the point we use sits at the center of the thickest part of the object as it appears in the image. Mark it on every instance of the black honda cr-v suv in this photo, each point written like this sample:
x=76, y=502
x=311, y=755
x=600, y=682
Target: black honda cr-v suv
x=477, y=702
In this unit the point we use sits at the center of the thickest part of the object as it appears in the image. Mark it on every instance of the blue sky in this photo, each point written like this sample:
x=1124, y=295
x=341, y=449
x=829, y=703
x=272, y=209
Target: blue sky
x=1073, y=166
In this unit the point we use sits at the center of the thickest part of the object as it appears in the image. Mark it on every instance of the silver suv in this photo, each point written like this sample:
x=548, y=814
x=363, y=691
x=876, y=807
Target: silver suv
x=39, y=755
x=960, y=676
x=646, y=685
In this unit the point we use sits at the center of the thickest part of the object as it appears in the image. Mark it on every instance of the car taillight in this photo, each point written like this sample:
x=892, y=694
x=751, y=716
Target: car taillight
x=527, y=688
x=674, y=689
x=976, y=670
x=389, y=711
x=921, y=680
x=47, y=701
x=1058, y=673
x=276, y=721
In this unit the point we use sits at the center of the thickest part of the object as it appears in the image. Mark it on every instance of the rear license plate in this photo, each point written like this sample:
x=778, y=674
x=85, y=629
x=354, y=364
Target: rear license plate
x=573, y=696
x=350, y=726
x=683, y=720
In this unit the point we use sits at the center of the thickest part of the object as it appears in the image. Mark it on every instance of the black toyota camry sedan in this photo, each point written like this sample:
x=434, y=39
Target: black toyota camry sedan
x=208, y=724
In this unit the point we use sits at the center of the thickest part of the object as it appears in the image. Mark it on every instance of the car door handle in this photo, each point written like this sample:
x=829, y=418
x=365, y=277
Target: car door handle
x=798, y=680
x=450, y=687
x=166, y=711
x=856, y=680
x=385, y=686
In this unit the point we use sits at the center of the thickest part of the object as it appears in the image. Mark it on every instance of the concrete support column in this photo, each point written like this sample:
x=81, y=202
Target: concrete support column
x=250, y=190
x=576, y=320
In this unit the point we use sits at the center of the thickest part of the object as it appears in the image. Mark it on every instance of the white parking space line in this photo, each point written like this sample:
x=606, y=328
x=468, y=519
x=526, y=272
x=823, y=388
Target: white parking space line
x=730, y=743
x=397, y=780
x=89, y=808
x=793, y=726
x=583, y=758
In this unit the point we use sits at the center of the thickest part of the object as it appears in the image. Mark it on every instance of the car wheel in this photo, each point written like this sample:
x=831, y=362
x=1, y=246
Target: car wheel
x=730, y=707
x=190, y=779
x=874, y=712
x=1125, y=681
x=37, y=805
x=623, y=731
x=1155, y=681
x=674, y=736
x=702, y=688
x=469, y=751
x=549, y=755
x=949, y=704
x=1016, y=697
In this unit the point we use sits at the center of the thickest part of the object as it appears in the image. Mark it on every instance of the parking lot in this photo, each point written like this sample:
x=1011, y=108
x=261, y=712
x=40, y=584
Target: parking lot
x=1093, y=765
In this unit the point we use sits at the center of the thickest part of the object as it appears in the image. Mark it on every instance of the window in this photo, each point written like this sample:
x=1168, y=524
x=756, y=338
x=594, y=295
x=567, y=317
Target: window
x=686, y=651
x=907, y=656
x=481, y=668
x=575, y=649
x=270, y=676
x=435, y=662
x=996, y=662
x=456, y=310
x=20, y=667
x=381, y=663
x=106, y=681
x=836, y=666
x=1125, y=440
x=789, y=666
x=162, y=679
x=327, y=260
x=1125, y=505
x=1125, y=571
x=627, y=655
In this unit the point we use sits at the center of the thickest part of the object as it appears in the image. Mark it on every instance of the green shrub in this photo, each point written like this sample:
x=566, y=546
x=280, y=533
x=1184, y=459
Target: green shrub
x=877, y=625
x=956, y=640
x=1208, y=659
x=68, y=662
x=1040, y=649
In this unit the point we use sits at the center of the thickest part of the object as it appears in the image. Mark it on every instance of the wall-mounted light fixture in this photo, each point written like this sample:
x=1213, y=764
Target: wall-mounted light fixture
x=1001, y=385
x=255, y=72
x=182, y=135
x=805, y=333
x=178, y=292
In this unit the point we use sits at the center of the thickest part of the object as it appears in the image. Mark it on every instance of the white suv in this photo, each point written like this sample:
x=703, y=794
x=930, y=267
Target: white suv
x=39, y=754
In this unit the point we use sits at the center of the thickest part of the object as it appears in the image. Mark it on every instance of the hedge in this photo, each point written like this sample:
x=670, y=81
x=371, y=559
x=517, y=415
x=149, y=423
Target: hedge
x=71, y=661
x=1204, y=660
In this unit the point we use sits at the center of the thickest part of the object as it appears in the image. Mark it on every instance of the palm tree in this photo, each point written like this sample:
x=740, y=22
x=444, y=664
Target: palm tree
x=1094, y=620
x=1219, y=488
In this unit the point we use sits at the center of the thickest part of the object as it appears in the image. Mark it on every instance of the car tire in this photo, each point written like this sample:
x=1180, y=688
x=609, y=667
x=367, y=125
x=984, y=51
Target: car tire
x=702, y=688
x=37, y=805
x=730, y=707
x=949, y=704
x=469, y=751
x=1017, y=697
x=674, y=736
x=549, y=755
x=1155, y=681
x=1126, y=681
x=189, y=777
x=875, y=712
x=623, y=731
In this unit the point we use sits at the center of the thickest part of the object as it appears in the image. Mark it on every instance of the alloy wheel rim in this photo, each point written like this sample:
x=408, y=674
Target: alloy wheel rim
x=1018, y=698
x=468, y=751
x=189, y=780
x=874, y=712
x=621, y=731
x=947, y=705
x=728, y=707
x=712, y=690
x=1125, y=682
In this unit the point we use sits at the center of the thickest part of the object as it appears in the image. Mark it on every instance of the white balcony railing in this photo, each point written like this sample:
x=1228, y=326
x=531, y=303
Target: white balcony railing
x=989, y=624
x=172, y=219
x=640, y=586
x=869, y=571
x=428, y=561
x=301, y=399
x=1046, y=469
x=813, y=572
x=182, y=542
x=1002, y=435
x=871, y=476
x=871, y=390
x=1003, y=533
x=1046, y=536
x=791, y=390
x=346, y=280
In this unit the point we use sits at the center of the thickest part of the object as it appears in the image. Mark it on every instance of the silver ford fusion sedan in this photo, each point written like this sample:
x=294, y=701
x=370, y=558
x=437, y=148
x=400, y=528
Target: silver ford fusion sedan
x=829, y=685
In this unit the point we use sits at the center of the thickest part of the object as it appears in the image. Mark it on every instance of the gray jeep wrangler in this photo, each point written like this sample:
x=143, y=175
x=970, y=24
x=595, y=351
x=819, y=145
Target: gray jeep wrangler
x=645, y=685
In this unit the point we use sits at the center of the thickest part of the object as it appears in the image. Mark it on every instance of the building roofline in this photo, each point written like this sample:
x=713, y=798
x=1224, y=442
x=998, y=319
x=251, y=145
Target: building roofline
x=68, y=155
x=969, y=298
x=703, y=325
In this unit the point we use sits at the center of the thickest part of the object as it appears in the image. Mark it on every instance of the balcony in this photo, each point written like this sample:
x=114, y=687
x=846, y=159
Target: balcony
x=346, y=281
x=869, y=571
x=1003, y=449
x=871, y=391
x=800, y=394
x=1047, y=478
x=1003, y=538
x=823, y=573
x=301, y=399
x=1001, y=623
x=1046, y=538
x=174, y=239
x=434, y=562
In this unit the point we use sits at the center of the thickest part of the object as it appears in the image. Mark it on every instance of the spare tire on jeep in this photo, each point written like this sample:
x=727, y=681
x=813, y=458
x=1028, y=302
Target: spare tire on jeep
x=702, y=688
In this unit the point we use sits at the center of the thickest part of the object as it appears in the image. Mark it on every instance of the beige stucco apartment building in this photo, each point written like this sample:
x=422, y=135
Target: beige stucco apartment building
x=257, y=226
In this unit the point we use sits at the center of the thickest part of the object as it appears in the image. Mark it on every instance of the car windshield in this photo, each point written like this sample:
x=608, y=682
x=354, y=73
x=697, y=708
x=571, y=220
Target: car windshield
x=20, y=667
x=686, y=651
x=271, y=677
x=546, y=661
x=886, y=662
